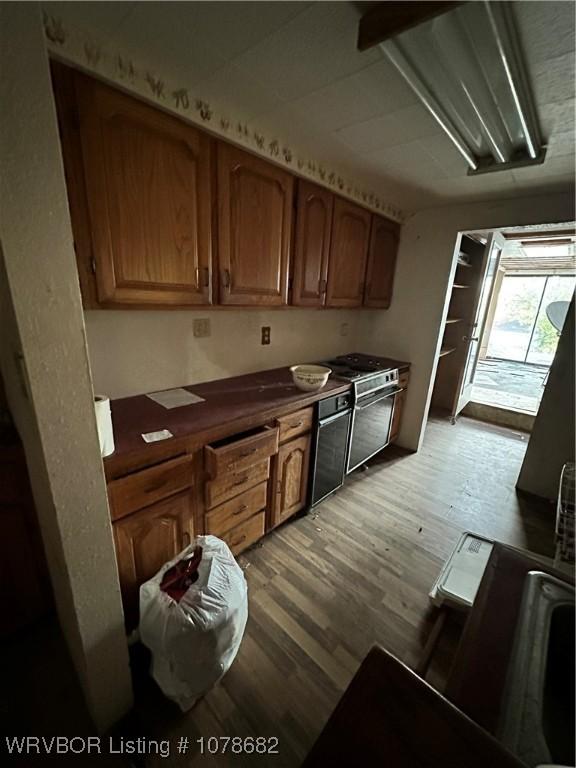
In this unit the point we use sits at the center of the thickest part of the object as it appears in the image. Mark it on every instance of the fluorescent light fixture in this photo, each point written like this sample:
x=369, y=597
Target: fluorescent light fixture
x=466, y=68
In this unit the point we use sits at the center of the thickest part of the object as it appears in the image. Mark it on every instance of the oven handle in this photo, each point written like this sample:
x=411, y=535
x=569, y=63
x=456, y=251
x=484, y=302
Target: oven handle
x=330, y=419
x=378, y=399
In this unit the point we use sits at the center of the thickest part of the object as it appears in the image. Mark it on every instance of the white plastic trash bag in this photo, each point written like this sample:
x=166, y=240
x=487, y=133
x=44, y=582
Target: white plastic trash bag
x=194, y=642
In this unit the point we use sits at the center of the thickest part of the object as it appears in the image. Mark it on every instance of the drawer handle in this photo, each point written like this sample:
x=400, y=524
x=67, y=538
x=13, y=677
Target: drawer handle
x=241, y=509
x=248, y=453
x=238, y=541
x=156, y=487
x=295, y=426
x=241, y=481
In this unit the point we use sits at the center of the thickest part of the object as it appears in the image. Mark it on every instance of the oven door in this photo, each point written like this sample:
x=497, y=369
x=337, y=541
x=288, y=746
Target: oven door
x=371, y=423
x=331, y=452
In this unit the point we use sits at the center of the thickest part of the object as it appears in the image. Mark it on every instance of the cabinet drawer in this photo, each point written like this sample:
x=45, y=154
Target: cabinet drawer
x=232, y=484
x=245, y=534
x=295, y=424
x=236, y=454
x=127, y=494
x=233, y=512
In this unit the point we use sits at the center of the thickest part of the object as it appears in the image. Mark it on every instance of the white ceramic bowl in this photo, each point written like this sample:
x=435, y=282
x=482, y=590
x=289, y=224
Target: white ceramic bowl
x=310, y=378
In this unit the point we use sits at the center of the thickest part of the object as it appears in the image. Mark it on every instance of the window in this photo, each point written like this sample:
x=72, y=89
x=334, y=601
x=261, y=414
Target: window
x=521, y=330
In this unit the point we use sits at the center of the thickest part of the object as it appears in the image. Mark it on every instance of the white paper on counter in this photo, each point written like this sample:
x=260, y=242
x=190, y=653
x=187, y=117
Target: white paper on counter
x=175, y=398
x=152, y=437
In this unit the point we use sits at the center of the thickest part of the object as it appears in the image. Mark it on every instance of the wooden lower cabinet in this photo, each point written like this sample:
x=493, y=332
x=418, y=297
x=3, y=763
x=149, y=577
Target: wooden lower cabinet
x=245, y=534
x=290, y=479
x=146, y=540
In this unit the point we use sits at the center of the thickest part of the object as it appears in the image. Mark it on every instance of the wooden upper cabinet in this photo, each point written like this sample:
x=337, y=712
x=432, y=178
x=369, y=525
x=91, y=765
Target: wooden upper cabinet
x=348, y=253
x=312, y=248
x=254, y=229
x=381, y=262
x=148, y=192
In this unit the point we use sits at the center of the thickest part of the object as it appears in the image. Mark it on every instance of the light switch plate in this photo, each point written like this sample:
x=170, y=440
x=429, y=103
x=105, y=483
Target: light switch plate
x=201, y=327
x=265, y=334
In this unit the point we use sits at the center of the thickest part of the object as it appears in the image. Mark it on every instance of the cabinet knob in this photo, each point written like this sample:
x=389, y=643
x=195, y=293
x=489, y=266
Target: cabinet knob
x=186, y=539
x=226, y=278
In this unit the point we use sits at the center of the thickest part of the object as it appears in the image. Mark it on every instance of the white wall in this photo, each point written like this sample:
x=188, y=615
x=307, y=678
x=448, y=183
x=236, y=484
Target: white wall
x=411, y=328
x=552, y=440
x=132, y=352
x=45, y=369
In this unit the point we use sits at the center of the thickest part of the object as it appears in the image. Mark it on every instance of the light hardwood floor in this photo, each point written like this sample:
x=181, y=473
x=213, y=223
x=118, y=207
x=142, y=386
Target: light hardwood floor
x=324, y=588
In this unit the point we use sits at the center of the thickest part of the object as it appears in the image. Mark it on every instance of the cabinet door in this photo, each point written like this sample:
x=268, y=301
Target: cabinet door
x=348, y=252
x=290, y=479
x=147, y=177
x=146, y=540
x=254, y=228
x=381, y=262
x=313, y=228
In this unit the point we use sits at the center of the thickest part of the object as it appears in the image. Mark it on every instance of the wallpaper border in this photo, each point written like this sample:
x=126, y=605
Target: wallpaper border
x=81, y=49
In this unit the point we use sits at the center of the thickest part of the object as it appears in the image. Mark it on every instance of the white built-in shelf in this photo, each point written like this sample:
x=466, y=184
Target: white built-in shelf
x=462, y=263
x=450, y=320
x=446, y=351
x=459, y=285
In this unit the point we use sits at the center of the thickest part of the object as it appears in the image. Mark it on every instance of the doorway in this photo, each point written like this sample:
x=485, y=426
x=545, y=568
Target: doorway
x=508, y=301
x=530, y=298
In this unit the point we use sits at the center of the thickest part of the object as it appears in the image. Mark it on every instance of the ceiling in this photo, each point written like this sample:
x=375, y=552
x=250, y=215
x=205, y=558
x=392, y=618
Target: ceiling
x=292, y=69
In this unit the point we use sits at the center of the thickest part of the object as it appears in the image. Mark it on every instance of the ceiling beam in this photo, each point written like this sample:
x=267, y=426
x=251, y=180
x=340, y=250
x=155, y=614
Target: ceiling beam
x=391, y=18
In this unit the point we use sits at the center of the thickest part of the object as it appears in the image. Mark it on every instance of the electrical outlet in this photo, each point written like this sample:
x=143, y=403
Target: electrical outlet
x=265, y=334
x=344, y=328
x=201, y=327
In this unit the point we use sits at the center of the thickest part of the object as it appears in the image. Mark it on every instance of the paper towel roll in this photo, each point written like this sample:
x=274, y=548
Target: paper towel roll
x=104, y=423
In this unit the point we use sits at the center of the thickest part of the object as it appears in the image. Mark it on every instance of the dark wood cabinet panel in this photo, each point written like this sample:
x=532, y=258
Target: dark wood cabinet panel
x=312, y=246
x=148, y=191
x=381, y=262
x=146, y=540
x=254, y=229
x=290, y=479
x=348, y=253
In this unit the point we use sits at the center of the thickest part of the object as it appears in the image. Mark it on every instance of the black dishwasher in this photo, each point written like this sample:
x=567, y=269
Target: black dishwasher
x=332, y=435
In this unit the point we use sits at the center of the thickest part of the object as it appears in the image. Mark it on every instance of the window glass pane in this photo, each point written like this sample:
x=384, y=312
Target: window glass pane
x=515, y=315
x=545, y=339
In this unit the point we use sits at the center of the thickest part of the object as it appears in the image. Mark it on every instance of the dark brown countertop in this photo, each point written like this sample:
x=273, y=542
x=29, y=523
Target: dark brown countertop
x=478, y=676
x=230, y=405
x=389, y=716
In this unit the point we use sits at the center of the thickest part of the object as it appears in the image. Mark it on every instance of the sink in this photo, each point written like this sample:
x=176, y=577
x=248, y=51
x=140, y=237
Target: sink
x=537, y=721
